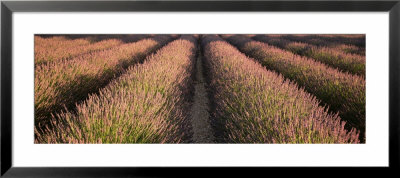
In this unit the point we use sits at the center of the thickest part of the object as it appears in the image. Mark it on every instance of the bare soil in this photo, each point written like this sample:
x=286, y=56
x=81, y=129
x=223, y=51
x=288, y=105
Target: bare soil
x=202, y=131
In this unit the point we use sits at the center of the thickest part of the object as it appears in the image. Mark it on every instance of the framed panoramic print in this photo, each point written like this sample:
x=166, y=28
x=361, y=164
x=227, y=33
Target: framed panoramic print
x=142, y=88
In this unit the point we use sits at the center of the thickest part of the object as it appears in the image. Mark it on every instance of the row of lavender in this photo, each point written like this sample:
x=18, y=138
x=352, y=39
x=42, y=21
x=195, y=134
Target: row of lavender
x=145, y=105
x=255, y=105
x=342, y=92
x=60, y=85
x=332, y=55
x=348, y=42
x=57, y=48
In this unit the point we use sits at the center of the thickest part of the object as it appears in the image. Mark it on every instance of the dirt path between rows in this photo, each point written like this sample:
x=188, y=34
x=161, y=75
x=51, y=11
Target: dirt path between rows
x=202, y=131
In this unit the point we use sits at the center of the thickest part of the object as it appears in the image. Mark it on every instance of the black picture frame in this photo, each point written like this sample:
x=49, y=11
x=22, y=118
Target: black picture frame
x=8, y=7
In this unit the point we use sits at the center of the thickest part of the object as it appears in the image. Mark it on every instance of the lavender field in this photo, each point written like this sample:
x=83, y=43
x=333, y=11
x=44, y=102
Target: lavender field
x=280, y=88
